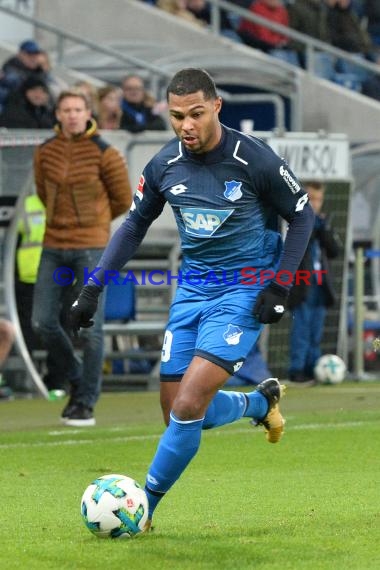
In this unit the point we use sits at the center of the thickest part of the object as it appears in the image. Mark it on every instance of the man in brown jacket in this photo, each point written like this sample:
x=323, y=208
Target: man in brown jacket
x=83, y=183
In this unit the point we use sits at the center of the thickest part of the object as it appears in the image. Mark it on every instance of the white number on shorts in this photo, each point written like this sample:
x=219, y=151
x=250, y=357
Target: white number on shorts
x=167, y=346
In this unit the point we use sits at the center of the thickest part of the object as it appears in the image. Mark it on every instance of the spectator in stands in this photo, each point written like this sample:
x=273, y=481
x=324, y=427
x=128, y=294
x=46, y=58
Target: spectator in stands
x=91, y=93
x=309, y=302
x=109, y=107
x=179, y=9
x=202, y=10
x=83, y=183
x=30, y=107
x=260, y=37
x=372, y=13
x=137, y=107
x=55, y=84
x=348, y=34
x=7, y=335
x=18, y=68
x=310, y=17
x=346, y=31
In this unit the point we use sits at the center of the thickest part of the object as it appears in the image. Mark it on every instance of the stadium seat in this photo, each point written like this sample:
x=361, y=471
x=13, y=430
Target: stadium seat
x=349, y=80
x=125, y=355
x=324, y=65
x=287, y=55
x=344, y=66
x=120, y=304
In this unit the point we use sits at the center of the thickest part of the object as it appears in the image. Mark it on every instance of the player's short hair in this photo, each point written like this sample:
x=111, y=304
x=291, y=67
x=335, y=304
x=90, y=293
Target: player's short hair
x=191, y=80
x=73, y=92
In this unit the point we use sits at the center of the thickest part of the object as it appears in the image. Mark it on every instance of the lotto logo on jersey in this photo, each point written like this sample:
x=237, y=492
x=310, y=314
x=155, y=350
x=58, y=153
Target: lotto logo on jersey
x=203, y=222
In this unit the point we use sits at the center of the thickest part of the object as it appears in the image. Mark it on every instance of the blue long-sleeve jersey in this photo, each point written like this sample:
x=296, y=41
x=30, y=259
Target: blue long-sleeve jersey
x=226, y=204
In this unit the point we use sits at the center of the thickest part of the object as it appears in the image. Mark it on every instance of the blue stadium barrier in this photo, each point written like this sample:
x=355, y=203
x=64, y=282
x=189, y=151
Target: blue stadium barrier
x=372, y=253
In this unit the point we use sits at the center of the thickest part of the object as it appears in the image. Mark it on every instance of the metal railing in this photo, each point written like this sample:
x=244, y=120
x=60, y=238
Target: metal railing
x=9, y=289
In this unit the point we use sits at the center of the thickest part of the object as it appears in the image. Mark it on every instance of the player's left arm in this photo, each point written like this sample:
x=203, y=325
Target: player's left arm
x=281, y=190
x=284, y=193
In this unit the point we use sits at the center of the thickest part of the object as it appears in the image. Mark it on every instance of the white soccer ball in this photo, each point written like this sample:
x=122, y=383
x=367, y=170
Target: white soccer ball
x=330, y=369
x=114, y=506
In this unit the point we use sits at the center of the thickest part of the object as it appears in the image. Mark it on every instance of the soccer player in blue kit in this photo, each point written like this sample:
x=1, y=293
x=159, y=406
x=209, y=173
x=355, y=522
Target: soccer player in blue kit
x=226, y=190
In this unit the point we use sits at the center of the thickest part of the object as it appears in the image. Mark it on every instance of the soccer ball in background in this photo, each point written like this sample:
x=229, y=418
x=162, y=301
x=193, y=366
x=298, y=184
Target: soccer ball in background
x=114, y=506
x=330, y=369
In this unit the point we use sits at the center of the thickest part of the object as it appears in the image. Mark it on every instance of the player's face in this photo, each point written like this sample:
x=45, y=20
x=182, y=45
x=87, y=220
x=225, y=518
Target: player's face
x=73, y=115
x=195, y=120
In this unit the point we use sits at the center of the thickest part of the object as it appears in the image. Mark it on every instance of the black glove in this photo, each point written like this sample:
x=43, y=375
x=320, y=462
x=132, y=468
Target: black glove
x=271, y=304
x=84, y=308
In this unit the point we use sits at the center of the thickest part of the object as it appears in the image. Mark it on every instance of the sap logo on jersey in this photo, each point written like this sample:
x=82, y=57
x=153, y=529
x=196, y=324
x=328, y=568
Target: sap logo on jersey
x=293, y=184
x=202, y=221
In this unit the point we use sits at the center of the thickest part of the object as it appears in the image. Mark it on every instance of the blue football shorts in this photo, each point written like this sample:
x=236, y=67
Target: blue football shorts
x=220, y=328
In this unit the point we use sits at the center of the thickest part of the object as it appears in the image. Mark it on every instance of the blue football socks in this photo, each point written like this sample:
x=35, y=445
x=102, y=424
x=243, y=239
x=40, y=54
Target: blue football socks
x=225, y=408
x=257, y=407
x=177, y=447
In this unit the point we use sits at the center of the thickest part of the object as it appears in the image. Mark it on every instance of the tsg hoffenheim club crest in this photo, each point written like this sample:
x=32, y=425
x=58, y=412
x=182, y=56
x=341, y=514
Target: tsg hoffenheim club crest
x=233, y=190
x=232, y=334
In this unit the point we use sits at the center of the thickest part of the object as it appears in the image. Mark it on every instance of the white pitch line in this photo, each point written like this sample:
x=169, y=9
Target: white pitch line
x=125, y=439
x=78, y=441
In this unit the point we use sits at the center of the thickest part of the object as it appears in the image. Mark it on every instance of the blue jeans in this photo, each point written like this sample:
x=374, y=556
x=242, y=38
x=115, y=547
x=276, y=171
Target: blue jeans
x=84, y=377
x=306, y=332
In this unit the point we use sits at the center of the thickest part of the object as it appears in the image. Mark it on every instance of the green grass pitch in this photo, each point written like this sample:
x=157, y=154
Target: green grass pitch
x=311, y=502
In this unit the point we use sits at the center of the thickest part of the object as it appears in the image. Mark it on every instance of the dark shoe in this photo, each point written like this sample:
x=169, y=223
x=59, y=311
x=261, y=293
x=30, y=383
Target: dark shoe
x=300, y=379
x=80, y=416
x=273, y=422
x=68, y=409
